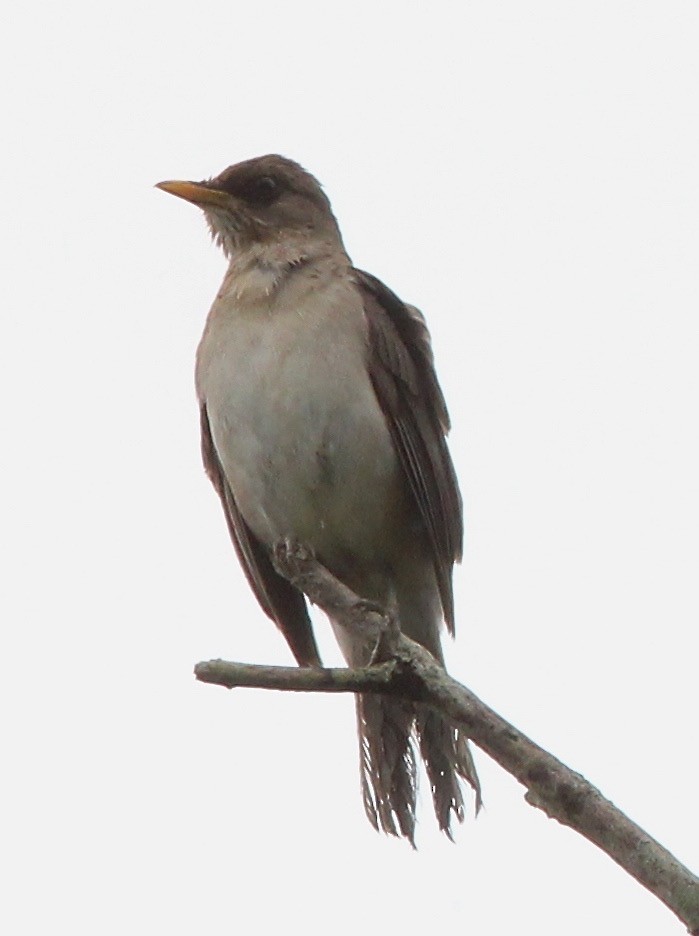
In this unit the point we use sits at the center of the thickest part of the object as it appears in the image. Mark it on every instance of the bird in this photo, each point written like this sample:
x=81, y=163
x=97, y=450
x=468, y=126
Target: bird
x=323, y=423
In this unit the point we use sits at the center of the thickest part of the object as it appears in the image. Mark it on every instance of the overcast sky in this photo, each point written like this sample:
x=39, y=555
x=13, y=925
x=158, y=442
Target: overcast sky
x=526, y=173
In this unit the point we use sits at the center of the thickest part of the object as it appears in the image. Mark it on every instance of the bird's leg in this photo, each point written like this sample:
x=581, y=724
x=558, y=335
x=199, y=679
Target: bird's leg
x=297, y=563
x=292, y=558
x=388, y=636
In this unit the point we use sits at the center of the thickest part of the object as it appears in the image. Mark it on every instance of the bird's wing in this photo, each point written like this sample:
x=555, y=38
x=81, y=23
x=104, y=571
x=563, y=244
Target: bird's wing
x=402, y=372
x=280, y=601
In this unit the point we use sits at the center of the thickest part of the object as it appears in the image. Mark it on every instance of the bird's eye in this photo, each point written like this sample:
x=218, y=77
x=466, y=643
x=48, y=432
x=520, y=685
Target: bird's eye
x=267, y=183
x=265, y=190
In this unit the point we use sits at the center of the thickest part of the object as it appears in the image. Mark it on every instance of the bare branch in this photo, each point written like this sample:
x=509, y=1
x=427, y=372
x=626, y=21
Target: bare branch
x=294, y=678
x=411, y=672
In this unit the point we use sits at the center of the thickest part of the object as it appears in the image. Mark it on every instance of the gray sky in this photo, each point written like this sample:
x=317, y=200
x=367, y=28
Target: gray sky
x=527, y=175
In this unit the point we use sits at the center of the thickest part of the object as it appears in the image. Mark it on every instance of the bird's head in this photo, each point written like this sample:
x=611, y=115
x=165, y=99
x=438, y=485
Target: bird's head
x=261, y=202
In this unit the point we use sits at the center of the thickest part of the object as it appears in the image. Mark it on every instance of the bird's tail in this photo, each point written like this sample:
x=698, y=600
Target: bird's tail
x=391, y=733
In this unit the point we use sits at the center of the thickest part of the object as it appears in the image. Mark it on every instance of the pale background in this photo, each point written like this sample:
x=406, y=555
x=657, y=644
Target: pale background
x=527, y=173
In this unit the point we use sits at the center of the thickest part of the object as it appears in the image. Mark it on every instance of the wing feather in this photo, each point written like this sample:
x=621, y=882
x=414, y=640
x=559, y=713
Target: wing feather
x=402, y=372
x=280, y=601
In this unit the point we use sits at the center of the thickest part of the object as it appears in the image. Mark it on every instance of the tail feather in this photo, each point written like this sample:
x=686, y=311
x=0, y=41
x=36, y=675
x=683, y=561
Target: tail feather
x=448, y=760
x=394, y=734
x=391, y=732
x=388, y=764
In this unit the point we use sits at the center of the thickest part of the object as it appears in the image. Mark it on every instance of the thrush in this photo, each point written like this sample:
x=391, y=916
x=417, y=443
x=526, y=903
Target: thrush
x=322, y=422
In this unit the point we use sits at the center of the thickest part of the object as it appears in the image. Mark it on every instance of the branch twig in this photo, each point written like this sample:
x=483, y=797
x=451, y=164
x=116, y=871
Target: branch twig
x=411, y=672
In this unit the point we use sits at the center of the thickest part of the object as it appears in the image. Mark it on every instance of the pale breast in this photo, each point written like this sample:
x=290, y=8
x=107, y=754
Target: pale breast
x=294, y=417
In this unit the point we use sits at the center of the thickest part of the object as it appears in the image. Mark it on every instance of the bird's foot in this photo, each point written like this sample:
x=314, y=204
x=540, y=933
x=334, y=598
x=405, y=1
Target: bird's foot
x=291, y=557
x=377, y=623
x=388, y=635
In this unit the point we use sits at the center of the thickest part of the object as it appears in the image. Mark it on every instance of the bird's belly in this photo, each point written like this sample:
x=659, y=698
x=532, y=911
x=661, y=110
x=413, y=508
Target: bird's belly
x=306, y=449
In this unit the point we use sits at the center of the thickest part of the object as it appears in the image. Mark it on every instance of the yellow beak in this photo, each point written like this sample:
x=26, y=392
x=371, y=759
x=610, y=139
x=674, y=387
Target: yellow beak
x=196, y=192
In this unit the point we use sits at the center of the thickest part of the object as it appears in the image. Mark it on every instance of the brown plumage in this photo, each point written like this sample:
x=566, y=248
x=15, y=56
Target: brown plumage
x=323, y=421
